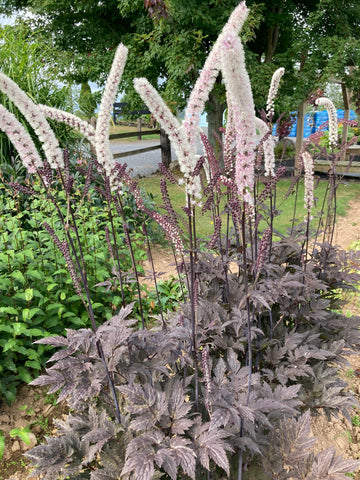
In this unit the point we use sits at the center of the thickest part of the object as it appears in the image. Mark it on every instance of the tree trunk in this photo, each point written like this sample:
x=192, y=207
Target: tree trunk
x=299, y=131
x=165, y=149
x=215, y=114
x=272, y=37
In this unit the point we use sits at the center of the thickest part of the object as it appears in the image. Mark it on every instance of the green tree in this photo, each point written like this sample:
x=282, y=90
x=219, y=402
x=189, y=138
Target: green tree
x=23, y=58
x=169, y=40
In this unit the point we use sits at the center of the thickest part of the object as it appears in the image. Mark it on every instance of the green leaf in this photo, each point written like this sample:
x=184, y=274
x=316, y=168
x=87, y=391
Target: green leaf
x=19, y=328
x=35, y=274
x=36, y=311
x=29, y=293
x=22, y=432
x=17, y=275
x=9, y=364
x=9, y=345
x=24, y=375
x=33, y=364
x=2, y=444
x=97, y=305
x=6, y=328
x=36, y=332
x=9, y=310
x=62, y=295
x=51, y=286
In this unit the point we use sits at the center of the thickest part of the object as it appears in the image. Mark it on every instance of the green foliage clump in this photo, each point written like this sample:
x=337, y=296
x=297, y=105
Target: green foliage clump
x=37, y=295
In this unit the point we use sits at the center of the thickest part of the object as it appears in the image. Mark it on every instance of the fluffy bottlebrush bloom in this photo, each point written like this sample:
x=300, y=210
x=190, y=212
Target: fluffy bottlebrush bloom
x=103, y=152
x=241, y=103
x=21, y=140
x=36, y=119
x=73, y=121
x=168, y=122
x=275, y=82
x=332, y=119
x=308, y=180
x=267, y=146
x=209, y=73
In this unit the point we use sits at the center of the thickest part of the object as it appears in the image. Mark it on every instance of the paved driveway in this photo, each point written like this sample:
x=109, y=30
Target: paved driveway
x=143, y=164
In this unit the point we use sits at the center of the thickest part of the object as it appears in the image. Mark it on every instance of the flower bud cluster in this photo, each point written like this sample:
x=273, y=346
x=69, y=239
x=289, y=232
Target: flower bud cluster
x=216, y=235
x=64, y=249
x=205, y=363
x=263, y=249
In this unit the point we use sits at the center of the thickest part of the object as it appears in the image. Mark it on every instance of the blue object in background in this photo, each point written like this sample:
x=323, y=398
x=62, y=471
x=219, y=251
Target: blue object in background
x=313, y=120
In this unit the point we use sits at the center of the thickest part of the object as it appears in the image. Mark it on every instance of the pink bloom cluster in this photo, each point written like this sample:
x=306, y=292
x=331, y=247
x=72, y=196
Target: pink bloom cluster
x=267, y=146
x=170, y=124
x=274, y=87
x=21, y=140
x=209, y=73
x=72, y=120
x=308, y=180
x=36, y=119
x=241, y=105
x=103, y=152
x=327, y=103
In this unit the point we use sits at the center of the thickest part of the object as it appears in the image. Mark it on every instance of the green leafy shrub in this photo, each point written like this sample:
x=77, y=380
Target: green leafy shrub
x=37, y=296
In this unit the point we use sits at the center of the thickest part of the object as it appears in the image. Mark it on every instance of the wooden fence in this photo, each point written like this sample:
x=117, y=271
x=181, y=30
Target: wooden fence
x=164, y=144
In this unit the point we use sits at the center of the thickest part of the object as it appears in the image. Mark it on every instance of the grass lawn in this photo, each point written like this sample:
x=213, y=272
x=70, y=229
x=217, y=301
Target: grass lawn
x=126, y=129
x=346, y=192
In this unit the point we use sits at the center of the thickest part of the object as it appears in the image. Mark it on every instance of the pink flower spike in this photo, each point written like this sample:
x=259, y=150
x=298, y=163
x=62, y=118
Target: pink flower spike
x=71, y=120
x=103, y=152
x=36, y=119
x=21, y=140
x=308, y=180
x=168, y=122
x=274, y=87
x=333, y=126
x=241, y=104
x=267, y=146
x=209, y=73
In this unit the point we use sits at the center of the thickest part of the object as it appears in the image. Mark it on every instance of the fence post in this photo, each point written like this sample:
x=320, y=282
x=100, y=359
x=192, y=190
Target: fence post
x=138, y=124
x=165, y=149
x=299, y=131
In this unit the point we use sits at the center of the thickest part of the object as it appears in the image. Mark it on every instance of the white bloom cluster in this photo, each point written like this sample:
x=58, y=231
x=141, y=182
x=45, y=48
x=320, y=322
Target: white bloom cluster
x=21, y=140
x=171, y=125
x=308, y=180
x=327, y=103
x=209, y=73
x=274, y=87
x=241, y=104
x=103, y=151
x=36, y=119
x=73, y=121
x=267, y=147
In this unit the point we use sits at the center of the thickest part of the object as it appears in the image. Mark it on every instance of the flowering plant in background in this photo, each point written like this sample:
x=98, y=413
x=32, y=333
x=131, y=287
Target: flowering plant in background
x=228, y=380
x=333, y=123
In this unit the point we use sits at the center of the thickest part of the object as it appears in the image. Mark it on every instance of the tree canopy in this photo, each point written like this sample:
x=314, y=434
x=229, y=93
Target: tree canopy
x=169, y=40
